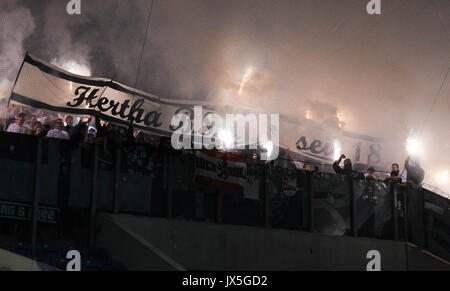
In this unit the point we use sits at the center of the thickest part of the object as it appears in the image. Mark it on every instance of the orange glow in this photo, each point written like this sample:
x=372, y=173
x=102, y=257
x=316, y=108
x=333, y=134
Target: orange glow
x=245, y=79
x=308, y=115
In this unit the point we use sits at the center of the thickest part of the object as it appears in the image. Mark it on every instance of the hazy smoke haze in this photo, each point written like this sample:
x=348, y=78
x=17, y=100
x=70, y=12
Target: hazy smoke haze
x=379, y=72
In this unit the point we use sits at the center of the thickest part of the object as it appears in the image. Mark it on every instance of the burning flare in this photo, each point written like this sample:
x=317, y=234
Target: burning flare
x=413, y=145
x=308, y=115
x=73, y=67
x=226, y=137
x=248, y=74
x=442, y=177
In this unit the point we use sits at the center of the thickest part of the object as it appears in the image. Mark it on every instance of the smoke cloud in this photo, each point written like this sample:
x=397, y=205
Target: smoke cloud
x=380, y=73
x=16, y=24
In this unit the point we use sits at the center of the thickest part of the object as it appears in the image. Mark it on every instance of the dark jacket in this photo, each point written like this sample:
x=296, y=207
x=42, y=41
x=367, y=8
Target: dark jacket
x=346, y=171
x=343, y=171
x=415, y=173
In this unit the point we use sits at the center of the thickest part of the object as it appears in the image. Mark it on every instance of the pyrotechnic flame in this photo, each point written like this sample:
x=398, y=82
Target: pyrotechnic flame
x=442, y=177
x=245, y=79
x=226, y=137
x=412, y=143
x=268, y=146
x=308, y=115
x=73, y=67
x=337, y=149
x=341, y=120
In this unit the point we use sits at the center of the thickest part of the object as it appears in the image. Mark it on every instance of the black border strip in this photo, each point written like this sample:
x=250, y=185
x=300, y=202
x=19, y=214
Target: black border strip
x=111, y=84
x=363, y=137
x=316, y=156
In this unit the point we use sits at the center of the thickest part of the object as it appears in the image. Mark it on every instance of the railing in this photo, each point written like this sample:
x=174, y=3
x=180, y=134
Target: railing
x=158, y=182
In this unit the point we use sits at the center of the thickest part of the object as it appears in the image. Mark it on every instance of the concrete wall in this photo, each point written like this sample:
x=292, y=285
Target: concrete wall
x=125, y=248
x=14, y=262
x=205, y=246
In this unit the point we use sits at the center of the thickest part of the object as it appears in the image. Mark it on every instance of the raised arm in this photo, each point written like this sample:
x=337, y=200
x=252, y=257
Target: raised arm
x=336, y=166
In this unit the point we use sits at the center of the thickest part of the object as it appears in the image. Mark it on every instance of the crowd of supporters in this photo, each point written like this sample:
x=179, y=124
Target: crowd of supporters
x=90, y=129
x=415, y=174
x=67, y=127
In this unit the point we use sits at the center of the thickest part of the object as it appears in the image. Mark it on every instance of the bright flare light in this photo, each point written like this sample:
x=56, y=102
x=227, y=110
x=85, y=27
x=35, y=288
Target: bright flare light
x=308, y=115
x=245, y=79
x=341, y=120
x=73, y=67
x=412, y=145
x=77, y=69
x=268, y=146
x=226, y=137
x=337, y=149
x=442, y=177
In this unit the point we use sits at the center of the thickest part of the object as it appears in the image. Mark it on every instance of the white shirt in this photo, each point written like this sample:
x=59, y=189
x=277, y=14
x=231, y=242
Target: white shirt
x=60, y=134
x=16, y=128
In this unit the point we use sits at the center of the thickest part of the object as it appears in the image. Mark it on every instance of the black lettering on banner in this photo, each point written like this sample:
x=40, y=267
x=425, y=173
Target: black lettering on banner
x=315, y=148
x=124, y=106
x=301, y=144
x=136, y=107
x=78, y=101
x=328, y=149
x=103, y=104
x=315, y=145
x=357, y=148
x=103, y=101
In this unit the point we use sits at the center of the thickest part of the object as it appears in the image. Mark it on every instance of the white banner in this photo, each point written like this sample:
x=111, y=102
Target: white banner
x=325, y=146
x=226, y=172
x=44, y=86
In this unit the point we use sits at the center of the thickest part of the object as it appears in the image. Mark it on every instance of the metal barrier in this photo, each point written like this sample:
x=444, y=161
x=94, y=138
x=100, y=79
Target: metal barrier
x=331, y=204
x=374, y=212
x=146, y=180
x=431, y=229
